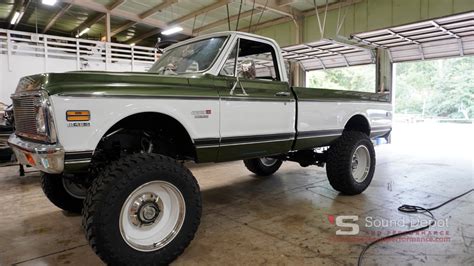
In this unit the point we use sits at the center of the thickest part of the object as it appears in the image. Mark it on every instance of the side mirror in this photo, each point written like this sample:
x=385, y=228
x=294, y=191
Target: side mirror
x=247, y=69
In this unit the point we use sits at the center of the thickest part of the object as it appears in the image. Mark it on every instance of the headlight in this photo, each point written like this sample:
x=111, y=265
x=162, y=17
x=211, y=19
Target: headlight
x=44, y=119
x=41, y=121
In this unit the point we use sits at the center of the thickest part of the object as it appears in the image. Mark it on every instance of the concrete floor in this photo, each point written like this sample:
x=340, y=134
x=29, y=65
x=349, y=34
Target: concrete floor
x=283, y=219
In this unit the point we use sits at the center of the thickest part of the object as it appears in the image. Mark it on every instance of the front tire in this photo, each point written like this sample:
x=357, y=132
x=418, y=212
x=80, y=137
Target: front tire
x=351, y=163
x=62, y=192
x=264, y=166
x=143, y=209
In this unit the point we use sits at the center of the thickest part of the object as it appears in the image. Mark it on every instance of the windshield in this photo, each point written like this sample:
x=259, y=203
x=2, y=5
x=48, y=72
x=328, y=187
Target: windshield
x=192, y=57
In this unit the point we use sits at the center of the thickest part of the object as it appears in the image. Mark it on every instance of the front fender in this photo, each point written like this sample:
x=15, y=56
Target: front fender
x=107, y=111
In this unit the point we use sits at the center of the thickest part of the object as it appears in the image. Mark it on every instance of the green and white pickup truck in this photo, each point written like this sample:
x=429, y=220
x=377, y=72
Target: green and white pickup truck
x=112, y=144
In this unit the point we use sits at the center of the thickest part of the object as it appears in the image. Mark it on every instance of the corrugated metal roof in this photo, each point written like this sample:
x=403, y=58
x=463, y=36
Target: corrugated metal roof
x=38, y=15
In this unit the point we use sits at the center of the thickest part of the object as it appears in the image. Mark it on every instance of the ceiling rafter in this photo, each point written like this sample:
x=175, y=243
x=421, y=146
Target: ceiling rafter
x=336, y=5
x=201, y=11
x=56, y=16
x=217, y=23
x=145, y=35
x=274, y=6
x=310, y=12
x=157, y=8
x=144, y=15
x=91, y=5
x=89, y=22
x=285, y=2
x=115, y=4
x=122, y=27
x=93, y=20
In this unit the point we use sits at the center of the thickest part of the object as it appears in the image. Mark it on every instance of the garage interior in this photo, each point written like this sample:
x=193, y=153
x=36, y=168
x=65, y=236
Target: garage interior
x=286, y=218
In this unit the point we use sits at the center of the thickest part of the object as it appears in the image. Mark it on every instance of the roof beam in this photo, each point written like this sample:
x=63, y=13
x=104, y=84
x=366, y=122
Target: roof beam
x=265, y=24
x=157, y=8
x=144, y=15
x=58, y=15
x=123, y=27
x=89, y=22
x=340, y=4
x=224, y=21
x=274, y=6
x=115, y=4
x=89, y=4
x=309, y=12
x=200, y=11
x=145, y=35
x=285, y=2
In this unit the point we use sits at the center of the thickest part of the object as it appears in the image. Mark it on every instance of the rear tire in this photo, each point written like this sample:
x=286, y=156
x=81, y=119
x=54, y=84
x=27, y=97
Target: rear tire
x=351, y=163
x=60, y=192
x=142, y=209
x=264, y=166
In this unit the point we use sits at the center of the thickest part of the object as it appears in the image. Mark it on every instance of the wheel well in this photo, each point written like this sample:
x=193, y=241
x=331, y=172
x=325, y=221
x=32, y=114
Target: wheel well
x=358, y=123
x=164, y=129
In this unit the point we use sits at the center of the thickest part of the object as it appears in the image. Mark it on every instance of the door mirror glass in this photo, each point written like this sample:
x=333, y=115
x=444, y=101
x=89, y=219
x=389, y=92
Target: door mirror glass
x=247, y=69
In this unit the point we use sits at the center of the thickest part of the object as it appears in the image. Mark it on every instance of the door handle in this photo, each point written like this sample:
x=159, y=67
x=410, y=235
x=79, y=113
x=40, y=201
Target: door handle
x=282, y=94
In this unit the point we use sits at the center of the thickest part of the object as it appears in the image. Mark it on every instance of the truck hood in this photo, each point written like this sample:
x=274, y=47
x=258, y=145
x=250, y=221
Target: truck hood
x=113, y=83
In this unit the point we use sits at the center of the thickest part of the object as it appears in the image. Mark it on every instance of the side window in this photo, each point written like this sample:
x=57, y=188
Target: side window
x=257, y=61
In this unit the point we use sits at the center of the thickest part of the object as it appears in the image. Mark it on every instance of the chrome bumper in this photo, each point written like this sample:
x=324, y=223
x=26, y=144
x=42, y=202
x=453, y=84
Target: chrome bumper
x=48, y=158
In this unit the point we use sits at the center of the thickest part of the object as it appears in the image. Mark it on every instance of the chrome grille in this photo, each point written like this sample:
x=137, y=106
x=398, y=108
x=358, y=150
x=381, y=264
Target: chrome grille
x=24, y=113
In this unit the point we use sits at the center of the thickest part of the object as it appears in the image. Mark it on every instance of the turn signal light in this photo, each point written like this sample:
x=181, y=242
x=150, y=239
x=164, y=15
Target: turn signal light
x=30, y=159
x=81, y=115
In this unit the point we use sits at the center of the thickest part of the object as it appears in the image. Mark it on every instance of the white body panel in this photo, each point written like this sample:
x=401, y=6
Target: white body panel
x=105, y=112
x=250, y=118
x=320, y=115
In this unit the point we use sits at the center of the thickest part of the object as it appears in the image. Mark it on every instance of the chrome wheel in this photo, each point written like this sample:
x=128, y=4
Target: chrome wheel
x=152, y=216
x=267, y=161
x=360, y=163
x=74, y=189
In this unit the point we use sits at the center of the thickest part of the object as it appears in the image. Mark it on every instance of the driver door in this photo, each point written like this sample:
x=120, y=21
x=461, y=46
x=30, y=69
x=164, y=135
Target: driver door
x=257, y=109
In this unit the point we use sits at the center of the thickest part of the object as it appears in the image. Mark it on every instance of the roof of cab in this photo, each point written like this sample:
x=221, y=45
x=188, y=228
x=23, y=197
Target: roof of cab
x=218, y=34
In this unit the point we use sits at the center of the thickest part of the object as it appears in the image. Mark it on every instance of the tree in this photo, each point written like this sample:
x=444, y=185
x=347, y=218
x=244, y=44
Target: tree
x=432, y=88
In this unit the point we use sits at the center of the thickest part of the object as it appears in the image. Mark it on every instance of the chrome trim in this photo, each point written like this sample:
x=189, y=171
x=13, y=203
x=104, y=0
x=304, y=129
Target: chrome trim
x=68, y=162
x=23, y=94
x=257, y=99
x=136, y=96
x=25, y=124
x=48, y=158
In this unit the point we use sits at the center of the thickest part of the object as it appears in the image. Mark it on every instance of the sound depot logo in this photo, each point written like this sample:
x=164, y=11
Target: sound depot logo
x=347, y=224
x=371, y=228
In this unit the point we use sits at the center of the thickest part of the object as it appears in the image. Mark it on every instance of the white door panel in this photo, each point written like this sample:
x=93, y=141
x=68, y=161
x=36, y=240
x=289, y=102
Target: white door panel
x=248, y=118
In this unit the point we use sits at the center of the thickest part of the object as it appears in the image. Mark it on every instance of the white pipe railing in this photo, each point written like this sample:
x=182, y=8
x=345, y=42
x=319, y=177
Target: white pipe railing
x=82, y=51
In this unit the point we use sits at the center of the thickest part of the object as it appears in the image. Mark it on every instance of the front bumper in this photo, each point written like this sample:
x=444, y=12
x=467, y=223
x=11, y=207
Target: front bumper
x=48, y=158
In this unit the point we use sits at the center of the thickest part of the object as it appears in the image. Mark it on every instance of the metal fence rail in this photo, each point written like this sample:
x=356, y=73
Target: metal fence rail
x=82, y=51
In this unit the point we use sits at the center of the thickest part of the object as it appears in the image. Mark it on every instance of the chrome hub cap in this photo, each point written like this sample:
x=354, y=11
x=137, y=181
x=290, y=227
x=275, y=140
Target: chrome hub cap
x=267, y=161
x=360, y=163
x=152, y=216
x=145, y=209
